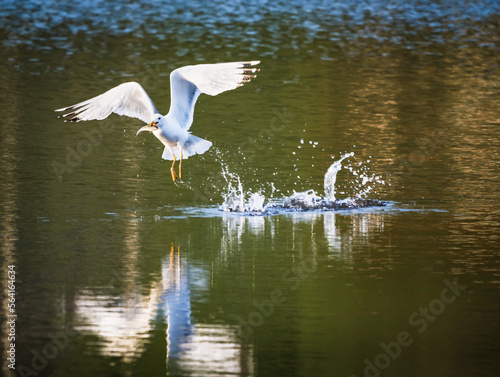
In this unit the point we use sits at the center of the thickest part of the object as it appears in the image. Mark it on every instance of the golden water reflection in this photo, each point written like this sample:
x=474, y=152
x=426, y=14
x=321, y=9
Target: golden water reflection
x=124, y=319
x=124, y=322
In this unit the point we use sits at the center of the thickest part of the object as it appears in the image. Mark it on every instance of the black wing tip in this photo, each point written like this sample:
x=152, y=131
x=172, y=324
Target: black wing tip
x=74, y=119
x=72, y=114
x=72, y=107
x=62, y=116
x=250, y=63
x=250, y=71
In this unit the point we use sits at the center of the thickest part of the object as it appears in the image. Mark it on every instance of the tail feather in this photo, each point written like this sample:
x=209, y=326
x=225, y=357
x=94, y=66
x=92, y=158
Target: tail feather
x=167, y=154
x=194, y=145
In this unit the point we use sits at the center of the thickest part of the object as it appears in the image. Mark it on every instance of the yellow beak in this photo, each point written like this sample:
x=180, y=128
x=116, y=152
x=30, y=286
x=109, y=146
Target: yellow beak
x=153, y=123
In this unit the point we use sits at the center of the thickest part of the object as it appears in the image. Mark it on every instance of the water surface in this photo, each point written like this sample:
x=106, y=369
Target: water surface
x=119, y=271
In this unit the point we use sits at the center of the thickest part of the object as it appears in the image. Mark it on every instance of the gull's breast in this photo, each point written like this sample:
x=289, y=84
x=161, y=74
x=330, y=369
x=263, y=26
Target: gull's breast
x=172, y=136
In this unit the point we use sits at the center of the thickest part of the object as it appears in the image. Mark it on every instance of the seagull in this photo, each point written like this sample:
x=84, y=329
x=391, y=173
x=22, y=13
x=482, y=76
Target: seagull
x=186, y=84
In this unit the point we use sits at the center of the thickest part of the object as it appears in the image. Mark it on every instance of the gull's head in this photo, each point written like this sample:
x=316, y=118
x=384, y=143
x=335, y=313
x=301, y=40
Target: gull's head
x=153, y=126
x=156, y=121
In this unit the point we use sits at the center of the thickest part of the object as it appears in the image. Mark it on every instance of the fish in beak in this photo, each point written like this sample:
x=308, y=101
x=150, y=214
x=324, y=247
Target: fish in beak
x=150, y=128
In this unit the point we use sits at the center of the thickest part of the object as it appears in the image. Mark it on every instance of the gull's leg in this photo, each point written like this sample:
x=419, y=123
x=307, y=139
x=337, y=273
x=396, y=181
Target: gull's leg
x=172, y=170
x=180, y=166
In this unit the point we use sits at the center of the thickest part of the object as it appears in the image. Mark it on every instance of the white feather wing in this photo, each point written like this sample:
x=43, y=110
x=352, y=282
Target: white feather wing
x=128, y=99
x=187, y=83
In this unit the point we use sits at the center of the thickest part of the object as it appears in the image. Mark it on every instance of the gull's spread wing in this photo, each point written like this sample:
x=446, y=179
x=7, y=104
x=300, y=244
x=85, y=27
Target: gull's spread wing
x=187, y=83
x=128, y=99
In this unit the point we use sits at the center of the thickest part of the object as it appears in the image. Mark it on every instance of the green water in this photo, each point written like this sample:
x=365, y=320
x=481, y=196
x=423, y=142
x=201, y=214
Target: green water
x=121, y=272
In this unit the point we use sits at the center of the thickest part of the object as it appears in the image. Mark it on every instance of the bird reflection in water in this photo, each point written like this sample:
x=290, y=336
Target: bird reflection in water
x=210, y=348
x=176, y=302
x=125, y=326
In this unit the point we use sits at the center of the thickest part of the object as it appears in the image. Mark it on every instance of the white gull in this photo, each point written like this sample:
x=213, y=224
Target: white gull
x=186, y=84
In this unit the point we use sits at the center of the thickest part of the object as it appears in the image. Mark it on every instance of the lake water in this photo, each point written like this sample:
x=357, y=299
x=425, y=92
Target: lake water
x=121, y=272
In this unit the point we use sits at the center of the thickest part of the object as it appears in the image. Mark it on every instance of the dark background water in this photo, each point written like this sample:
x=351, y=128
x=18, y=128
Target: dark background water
x=121, y=272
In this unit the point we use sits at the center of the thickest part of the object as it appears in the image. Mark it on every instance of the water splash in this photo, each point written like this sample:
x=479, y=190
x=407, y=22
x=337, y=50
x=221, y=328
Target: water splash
x=331, y=177
x=363, y=181
x=236, y=199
